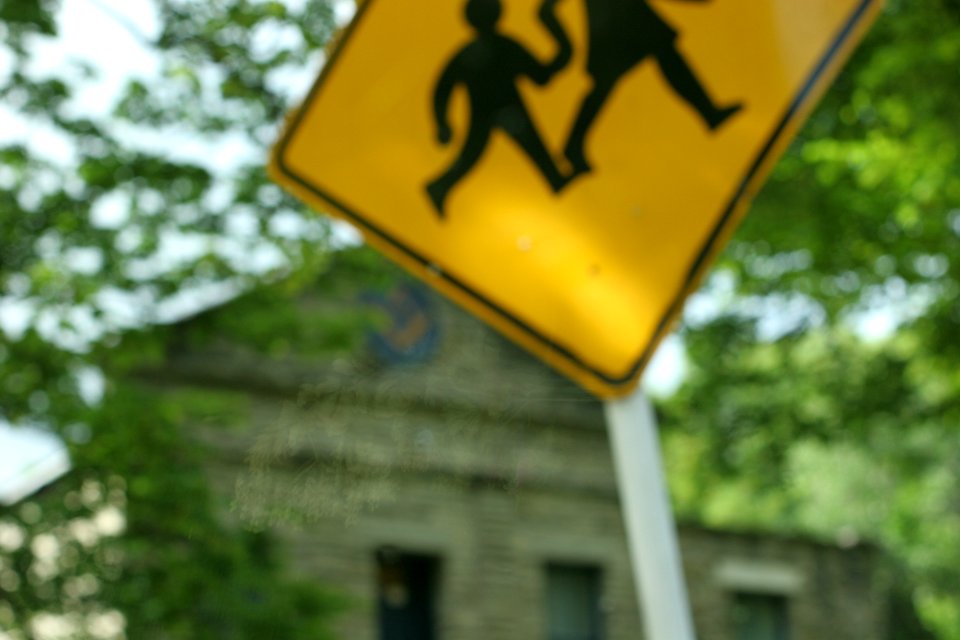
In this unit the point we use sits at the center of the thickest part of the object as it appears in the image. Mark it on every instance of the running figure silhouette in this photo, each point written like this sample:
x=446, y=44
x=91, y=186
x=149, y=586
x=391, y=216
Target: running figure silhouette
x=489, y=67
x=623, y=33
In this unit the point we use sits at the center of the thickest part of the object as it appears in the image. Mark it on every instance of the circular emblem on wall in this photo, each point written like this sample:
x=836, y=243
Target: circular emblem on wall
x=412, y=334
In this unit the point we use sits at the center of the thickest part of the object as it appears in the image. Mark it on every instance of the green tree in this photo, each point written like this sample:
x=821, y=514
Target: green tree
x=797, y=414
x=97, y=241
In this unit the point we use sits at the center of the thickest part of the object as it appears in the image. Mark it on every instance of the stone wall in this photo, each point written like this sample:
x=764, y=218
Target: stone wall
x=489, y=462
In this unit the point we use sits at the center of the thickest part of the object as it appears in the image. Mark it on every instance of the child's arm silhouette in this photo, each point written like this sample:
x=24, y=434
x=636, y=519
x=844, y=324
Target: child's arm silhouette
x=441, y=99
x=541, y=73
x=565, y=48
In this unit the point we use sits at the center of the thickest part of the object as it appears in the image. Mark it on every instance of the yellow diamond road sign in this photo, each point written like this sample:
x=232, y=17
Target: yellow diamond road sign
x=565, y=169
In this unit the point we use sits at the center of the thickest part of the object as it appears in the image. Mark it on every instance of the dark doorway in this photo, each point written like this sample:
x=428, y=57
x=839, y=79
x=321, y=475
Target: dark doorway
x=573, y=603
x=761, y=617
x=407, y=592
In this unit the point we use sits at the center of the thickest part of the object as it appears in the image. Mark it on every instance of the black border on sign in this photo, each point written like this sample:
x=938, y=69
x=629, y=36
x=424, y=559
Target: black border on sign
x=692, y=273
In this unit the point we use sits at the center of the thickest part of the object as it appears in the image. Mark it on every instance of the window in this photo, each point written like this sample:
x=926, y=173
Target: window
x=760, y=617
x=573, y=603
x=407, y=591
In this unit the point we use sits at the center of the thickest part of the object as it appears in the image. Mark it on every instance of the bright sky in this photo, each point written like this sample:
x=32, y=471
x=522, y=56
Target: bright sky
x=29, y=459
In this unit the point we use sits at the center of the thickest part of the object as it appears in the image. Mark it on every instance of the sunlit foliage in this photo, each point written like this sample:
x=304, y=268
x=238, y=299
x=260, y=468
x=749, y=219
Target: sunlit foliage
x=824, y=386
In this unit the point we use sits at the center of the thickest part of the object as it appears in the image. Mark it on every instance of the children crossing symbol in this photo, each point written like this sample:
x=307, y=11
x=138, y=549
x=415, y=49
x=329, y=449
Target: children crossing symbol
x=565, y=169
x=622, y=33
x=489, y=68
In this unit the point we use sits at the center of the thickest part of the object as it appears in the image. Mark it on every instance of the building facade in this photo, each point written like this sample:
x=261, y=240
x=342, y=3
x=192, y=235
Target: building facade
x=454, y=488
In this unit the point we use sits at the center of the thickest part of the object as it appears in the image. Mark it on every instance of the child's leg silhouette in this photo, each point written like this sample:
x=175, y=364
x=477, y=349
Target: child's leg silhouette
x=522, y=129
x=683, y=80
x=589, y=109
x=473, y=147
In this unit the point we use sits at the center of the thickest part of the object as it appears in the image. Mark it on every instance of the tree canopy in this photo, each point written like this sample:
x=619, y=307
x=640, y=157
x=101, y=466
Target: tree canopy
x=823, y=387
x=113, y=217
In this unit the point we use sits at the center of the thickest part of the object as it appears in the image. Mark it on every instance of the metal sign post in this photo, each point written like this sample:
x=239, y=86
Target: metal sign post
x=648, y=518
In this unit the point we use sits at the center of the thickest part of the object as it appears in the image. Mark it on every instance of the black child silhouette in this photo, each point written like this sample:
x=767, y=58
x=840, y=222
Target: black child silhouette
x=623, y=33
x=489, y=67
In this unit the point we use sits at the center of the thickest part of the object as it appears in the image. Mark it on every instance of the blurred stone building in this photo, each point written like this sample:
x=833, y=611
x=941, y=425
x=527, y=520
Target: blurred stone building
x=457, y=489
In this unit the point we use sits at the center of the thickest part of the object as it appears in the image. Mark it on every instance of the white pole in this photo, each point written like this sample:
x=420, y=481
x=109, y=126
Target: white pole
x=651, y=531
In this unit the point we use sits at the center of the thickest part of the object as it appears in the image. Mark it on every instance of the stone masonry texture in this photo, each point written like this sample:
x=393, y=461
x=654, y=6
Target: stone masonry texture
x=488, y=461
